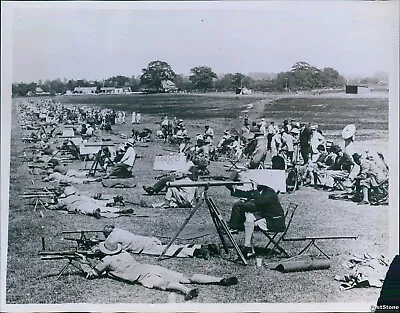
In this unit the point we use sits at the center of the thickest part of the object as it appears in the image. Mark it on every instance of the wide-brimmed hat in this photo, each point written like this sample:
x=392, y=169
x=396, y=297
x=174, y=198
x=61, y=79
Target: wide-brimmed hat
x=356, y=156
x=110, y=248
x=335, y=149
x=348, y=131
x=68, y=191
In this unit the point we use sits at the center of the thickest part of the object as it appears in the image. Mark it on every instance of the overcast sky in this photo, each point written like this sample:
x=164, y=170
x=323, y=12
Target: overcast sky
x=106, y=39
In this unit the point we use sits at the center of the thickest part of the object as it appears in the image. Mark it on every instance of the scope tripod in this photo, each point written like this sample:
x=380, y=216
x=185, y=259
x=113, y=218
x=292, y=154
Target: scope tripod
x=218, y=221
x=96, y=163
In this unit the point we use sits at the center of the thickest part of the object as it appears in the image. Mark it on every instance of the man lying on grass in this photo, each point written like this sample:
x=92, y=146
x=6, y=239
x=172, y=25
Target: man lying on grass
x=153, y=246
x=119, y=264
x=74, y=202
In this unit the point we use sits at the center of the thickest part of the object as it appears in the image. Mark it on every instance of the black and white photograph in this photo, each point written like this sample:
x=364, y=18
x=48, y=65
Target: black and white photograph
x=220, y=156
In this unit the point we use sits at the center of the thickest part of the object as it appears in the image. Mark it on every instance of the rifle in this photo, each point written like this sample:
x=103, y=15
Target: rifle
x=83, y=242
x=218, y=177
x=79, y=256
x=205, y=183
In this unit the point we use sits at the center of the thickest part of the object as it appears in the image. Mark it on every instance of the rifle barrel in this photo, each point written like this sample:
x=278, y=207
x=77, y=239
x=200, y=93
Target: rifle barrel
x=319, y=238
x=65, y=252
x=205, y=183
x=81, y=231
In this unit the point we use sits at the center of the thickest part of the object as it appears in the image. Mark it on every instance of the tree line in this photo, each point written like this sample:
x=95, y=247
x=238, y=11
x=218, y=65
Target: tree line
x=302, y=76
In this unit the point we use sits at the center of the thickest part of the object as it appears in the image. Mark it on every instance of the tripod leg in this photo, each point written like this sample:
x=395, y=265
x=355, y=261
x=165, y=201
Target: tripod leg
x=211, y=208
x=63, y=269
x=53, y=156
x=306, y=247
x=229, y=235
x=321, y=250
x=92, y=171
x=36, y=203
x=182, y=227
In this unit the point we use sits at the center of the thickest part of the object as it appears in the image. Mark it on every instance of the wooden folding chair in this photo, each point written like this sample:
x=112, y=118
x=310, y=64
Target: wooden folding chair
x=276, y=237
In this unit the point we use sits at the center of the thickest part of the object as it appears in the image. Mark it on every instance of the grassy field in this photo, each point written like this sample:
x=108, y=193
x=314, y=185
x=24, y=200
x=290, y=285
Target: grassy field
x=30, y=280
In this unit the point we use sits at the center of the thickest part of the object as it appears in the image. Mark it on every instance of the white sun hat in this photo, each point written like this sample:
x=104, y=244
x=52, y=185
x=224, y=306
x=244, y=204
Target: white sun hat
x=348, y=131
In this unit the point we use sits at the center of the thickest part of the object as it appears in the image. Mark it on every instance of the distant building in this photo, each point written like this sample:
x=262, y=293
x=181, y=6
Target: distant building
x=39, y=92
x=356, y=89
x=168, y=86
x=127, y=90
x=107, y=90
x=85, y=90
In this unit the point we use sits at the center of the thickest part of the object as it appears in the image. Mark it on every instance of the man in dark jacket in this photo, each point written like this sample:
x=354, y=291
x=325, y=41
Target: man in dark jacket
x=305, y=136
x=261, y=208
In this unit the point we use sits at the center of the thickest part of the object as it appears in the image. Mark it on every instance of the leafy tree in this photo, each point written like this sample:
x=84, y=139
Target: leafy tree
x=225, y=83
x=133, y=83
x=117, y=81
x=332, y=78
x=202, y=78
x=237, y=80
x=155, y=73
x=182, y=82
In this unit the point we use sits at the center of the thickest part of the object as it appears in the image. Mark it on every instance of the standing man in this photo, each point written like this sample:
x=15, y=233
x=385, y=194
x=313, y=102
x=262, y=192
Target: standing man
x=270, y=133
x=208, y=134
x=315, y=140
x=305, y=136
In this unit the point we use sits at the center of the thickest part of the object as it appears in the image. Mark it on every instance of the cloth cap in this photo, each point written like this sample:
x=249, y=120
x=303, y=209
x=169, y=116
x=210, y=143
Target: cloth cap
x=348, y=131
x=321, y=148
x=314, y=127
x=295, y=130
x=110, y=248
x=356, y=156
x=282, y=130
x=108, y=228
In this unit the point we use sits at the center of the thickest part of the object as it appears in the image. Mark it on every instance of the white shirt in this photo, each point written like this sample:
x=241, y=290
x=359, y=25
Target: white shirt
x=209, y=132
x=271, y=129
x=316, y=140
x=129, y=157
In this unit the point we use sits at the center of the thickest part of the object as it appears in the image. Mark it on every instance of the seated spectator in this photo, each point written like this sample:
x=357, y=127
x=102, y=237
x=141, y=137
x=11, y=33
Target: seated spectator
x=161, y=183
x=370, y=176
x=182, y=197
x=123, y=168
x=340, y=170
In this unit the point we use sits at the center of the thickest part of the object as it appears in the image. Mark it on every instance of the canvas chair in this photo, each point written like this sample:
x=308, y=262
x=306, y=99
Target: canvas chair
x=275, y=238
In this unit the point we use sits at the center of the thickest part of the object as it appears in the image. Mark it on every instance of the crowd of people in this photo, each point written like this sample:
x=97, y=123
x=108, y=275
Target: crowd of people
x=319, y=162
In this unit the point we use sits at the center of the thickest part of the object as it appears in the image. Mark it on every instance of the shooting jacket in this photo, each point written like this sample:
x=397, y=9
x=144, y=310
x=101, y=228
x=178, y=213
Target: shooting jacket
x=266, y=205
